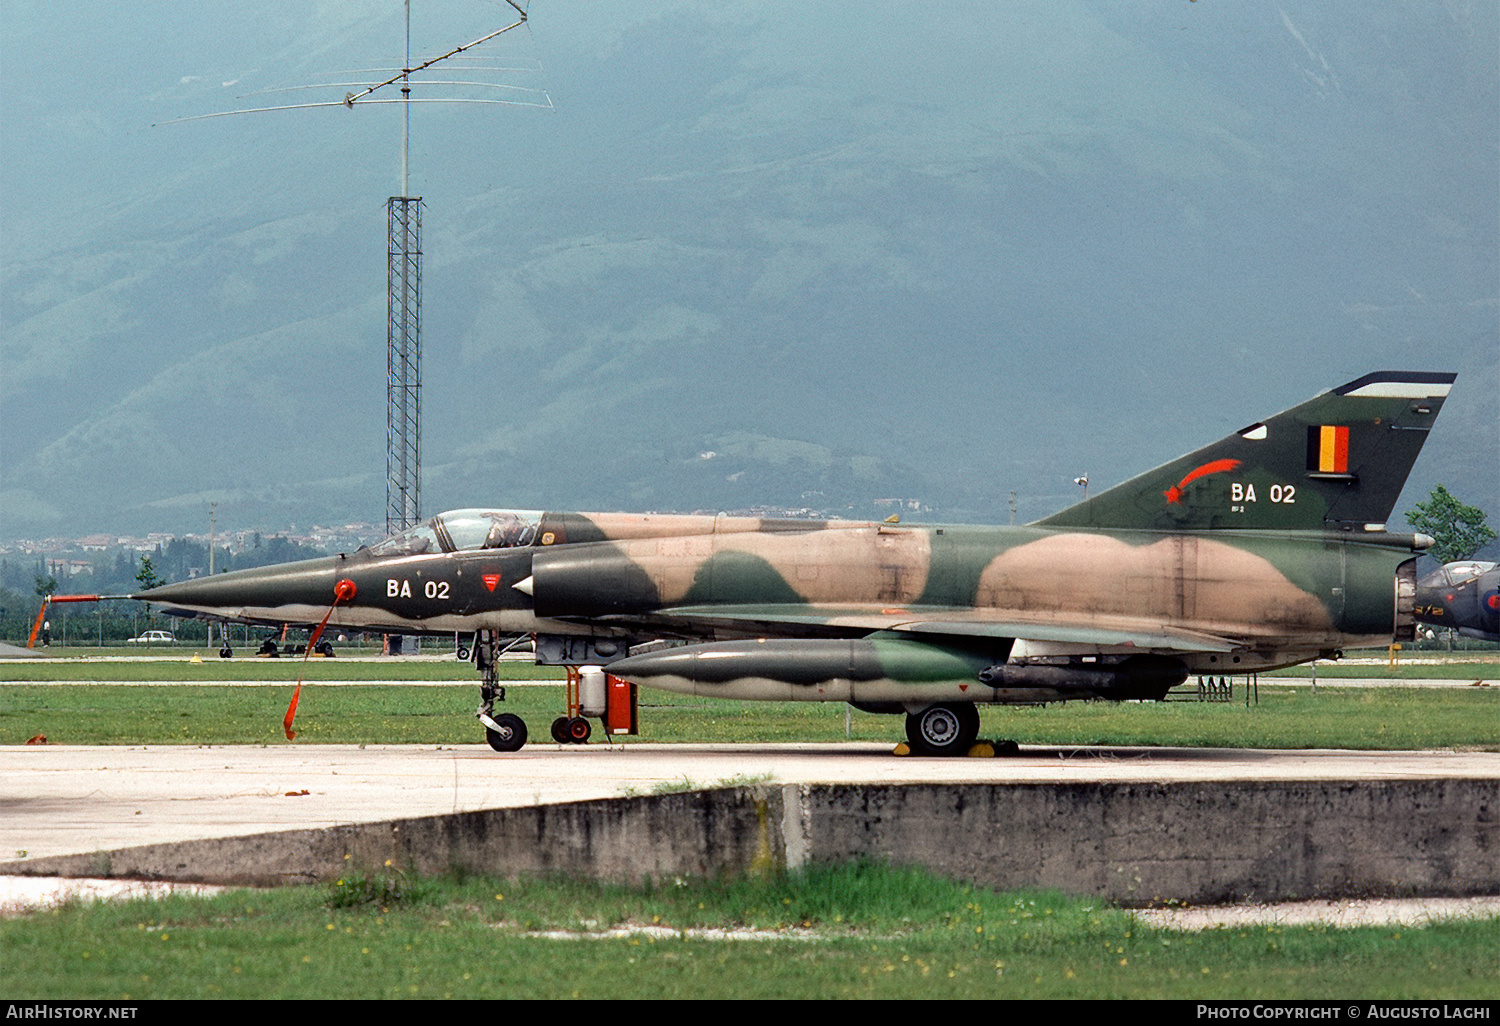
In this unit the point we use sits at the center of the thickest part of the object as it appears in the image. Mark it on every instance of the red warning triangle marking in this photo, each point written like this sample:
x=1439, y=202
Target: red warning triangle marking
x=492, y=581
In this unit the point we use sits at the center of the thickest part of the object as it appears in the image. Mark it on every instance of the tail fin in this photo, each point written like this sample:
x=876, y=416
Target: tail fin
x=1336, y=462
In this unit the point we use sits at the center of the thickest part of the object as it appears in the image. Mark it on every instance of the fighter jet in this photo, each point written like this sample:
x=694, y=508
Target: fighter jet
x=1265, y=549
x=1464, y=595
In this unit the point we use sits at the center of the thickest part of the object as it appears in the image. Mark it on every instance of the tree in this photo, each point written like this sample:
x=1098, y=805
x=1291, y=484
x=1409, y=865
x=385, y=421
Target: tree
x=1459, y=530
x=147, y=575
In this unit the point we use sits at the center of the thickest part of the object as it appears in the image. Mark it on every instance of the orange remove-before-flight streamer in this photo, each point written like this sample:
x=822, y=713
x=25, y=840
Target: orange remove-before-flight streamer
x=342, y=592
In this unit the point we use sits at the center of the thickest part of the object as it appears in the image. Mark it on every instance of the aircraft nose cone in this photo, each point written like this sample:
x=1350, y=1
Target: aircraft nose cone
x=289, y=586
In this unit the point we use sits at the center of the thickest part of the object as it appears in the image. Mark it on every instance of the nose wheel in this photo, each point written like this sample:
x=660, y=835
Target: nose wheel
x=506, y=732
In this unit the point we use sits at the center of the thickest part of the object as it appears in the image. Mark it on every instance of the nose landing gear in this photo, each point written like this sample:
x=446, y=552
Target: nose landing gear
x=506, y=732
x=590, y=692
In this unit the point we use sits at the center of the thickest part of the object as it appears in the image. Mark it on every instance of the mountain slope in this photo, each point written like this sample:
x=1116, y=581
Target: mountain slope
x=860, y=253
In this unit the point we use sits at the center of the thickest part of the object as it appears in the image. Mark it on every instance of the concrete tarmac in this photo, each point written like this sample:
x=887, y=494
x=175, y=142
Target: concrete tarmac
x=61, y=799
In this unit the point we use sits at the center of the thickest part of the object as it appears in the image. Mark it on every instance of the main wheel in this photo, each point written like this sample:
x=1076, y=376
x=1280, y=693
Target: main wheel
x=511, y=735
x=946, y=729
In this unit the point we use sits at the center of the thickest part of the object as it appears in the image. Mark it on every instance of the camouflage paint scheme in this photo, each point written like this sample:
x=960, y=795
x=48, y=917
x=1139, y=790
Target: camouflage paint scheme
x=1265, y=549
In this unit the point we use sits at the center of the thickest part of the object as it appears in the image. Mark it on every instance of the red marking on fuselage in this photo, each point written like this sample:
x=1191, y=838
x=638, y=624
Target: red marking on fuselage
x=1174, y=494
x=492, y=581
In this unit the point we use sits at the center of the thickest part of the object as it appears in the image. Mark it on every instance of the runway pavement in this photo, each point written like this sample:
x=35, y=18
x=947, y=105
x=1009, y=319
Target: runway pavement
x=57, y=800
x=65, y=799
x=60, y=799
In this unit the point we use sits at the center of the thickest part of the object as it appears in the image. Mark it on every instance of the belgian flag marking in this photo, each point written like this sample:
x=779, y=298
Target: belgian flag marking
x=1328, y=449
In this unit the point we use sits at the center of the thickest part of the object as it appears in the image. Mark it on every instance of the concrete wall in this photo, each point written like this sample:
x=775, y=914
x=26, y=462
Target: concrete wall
x=1200, y=843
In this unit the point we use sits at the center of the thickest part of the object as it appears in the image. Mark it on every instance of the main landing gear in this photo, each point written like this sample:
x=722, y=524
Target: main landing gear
x=943, y=729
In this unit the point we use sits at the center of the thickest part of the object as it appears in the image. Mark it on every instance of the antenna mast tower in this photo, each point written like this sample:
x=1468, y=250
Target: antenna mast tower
x=403, y=334
x=403, y=382
x=403, y=364
x=403, y=463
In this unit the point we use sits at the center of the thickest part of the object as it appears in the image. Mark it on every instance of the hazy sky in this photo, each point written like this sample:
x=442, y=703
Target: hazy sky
x=945, y=251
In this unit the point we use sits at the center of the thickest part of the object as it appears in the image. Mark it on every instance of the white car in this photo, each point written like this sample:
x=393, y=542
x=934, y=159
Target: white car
x=153, y=638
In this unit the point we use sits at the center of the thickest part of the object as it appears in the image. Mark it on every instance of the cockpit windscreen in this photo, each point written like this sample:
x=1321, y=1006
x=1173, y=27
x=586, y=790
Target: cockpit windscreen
x=464, y=530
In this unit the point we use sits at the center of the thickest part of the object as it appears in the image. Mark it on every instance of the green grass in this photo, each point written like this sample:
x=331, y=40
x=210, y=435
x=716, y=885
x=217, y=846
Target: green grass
x=859, y=931
x=182, y=702
x=1456, y=669
x=179, y=668
x=1386, y=718
x=1380, y=719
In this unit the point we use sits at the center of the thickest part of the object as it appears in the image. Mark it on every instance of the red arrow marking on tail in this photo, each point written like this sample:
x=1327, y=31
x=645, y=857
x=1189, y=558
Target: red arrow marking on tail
x=1174, y=494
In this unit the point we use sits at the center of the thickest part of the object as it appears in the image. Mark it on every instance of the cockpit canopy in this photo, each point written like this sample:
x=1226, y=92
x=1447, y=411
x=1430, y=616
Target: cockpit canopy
x=464, y=530
x=1461, y=572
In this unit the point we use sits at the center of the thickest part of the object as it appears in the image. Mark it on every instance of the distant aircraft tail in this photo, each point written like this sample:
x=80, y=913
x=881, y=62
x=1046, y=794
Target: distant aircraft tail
x=1336, y=462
